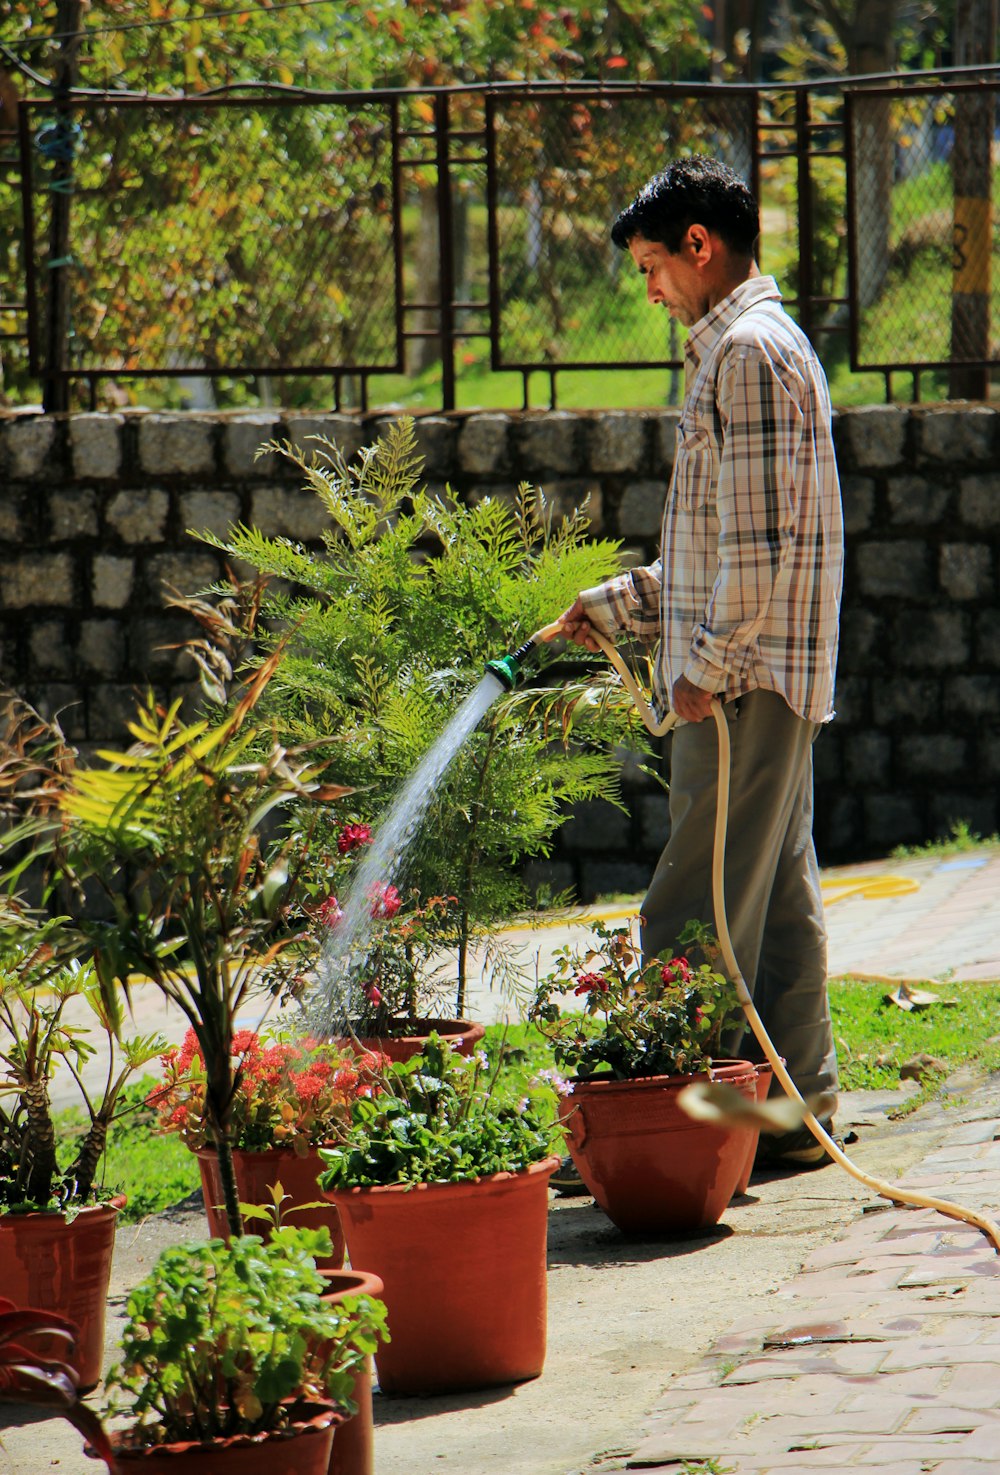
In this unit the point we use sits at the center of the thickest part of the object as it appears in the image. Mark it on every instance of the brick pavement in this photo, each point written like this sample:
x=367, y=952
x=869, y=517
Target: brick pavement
x=883, y=1352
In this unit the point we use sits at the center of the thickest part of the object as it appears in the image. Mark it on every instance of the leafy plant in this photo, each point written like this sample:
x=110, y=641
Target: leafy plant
x=221, y=1337
x=658, y=1016
x=43, y=1382
x=440, y=1117
x=387, y=632
x=288, y=1093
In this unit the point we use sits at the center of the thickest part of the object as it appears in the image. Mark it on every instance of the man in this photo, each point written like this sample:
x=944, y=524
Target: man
x=744, y=601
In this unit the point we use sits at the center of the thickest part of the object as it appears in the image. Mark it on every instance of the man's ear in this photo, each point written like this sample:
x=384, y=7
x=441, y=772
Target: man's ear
x=700, y=243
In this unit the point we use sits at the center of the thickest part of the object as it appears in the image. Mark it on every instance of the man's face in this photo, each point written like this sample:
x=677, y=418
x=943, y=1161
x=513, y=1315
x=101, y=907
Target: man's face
x=672, y=281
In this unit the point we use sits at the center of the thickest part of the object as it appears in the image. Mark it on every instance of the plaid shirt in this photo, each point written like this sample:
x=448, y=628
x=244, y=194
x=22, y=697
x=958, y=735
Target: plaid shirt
x=746, y=591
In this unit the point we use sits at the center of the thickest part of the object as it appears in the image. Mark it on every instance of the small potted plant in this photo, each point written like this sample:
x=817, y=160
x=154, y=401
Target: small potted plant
x=632, y=1034
x=441, y=1180
x=233, y=1360
x=290, y=1096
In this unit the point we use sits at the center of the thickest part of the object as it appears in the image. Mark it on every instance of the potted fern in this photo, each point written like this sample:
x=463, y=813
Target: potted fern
x=387, y=630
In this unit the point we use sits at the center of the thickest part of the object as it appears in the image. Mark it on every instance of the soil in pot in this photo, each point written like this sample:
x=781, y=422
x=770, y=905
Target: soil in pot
x=651, y=1168
x=256, y=1172
x=464, y=1271
x=57, y=1264
x=301, y=1449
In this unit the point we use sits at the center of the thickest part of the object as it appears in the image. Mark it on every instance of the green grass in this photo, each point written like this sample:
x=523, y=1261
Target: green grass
x=960, y=841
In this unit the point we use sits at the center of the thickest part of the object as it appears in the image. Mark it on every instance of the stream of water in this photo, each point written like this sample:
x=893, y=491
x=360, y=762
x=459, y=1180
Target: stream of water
x=338, y=972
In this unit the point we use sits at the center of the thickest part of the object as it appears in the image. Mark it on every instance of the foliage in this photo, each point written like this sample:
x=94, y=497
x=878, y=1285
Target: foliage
x=875, y=1038
x=220, y=1336
x=659, y=1016
x=440, y=1117
x=289, y=1092
x=42, y=1382
x=386, y=633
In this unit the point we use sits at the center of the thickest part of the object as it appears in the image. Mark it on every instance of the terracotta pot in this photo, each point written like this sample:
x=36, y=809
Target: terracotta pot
x=354, y=1440
x=649, y=1166
x=54, y=1264
x=463, y=1265
x=255, y=1174
x=463, y=1034
x=301, y=1449
x=765, y=1075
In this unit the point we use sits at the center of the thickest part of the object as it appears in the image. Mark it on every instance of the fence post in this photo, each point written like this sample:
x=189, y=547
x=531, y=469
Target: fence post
x=55, y=393
x=804, y=191
x=446, y=272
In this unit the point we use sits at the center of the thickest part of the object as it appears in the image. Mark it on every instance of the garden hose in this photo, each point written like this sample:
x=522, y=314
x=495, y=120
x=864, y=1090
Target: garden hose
x=657, y=727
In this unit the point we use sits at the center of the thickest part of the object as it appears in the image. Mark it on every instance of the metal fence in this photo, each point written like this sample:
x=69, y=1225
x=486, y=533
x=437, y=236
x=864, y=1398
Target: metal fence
x=342, y=236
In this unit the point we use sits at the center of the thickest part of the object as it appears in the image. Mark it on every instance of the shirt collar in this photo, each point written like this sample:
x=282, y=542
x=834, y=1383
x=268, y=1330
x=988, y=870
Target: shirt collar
x=706, y=332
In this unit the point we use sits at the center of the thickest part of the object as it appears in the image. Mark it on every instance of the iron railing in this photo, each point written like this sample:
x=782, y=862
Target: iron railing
x=244, y=236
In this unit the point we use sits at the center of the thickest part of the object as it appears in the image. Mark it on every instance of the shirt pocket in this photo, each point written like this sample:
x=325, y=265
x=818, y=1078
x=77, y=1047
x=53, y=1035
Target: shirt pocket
x=695, y=468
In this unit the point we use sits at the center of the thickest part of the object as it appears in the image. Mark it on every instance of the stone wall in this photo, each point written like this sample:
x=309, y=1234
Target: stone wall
x=95, y=513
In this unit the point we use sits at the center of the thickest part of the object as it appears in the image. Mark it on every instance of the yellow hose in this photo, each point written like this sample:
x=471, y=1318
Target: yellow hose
x=658, y=727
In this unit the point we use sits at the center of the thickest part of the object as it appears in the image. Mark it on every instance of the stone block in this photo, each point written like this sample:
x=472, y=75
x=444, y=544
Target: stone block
x=50, y=649
x=641, y=510
x=111, y=706
x=176, y=445
x=567, y=497
x=969, y=806
x=935, y=755
x=52, y=699
x=987, y=638
x=851, y=699
x=828, y=756
x=483, y=445
x=988, y=759
x=935, y=639
x=858, y=494
x=893, y=568
x=73, y=515
x=188, y=573
x=956, y=436
x=613, y=878
x=972, y=696
x=39, y=580
x=654, y=821
x=915, y=701
x=866, y=759
x=153, y=646
x=979, y=500
x=139, y=514
x=546, y=879
x=281, y=512
x=96, y=442
x=892, y=819
x=839, y=824
x=31, y=447
x=864, y=641
x=242, y=437
x=102, y=647
x=209, y=512
x=547, y=443
x=966, y=570
x=617, y=441
x=437, y=439
x=111, y=581
x=308, y=434
x=913, y=500
x=875, y=435
x=595, y=826
x=11, y=522
x=664, y=441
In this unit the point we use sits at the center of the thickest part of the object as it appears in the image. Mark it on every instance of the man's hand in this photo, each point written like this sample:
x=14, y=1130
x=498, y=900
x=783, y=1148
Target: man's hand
x=574, y=624
x=689, y=701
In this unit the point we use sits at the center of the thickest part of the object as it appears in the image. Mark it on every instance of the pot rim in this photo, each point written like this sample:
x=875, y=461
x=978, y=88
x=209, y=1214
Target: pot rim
x=111, y=1205
x=545, y=1166
x=323, y=1416
x=669, y=1083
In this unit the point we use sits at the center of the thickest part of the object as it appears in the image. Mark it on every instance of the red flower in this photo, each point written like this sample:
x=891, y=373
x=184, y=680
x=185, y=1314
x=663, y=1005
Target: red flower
x=373, y=994
x=353, y=836
x=386, y=901
x=329, y=912
x=587, y=983
x=678, y=970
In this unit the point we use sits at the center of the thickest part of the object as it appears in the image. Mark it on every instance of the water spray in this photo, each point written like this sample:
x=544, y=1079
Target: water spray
x=507, y=670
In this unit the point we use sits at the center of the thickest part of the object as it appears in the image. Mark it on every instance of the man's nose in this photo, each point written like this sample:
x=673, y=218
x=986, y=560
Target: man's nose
x=653, y=293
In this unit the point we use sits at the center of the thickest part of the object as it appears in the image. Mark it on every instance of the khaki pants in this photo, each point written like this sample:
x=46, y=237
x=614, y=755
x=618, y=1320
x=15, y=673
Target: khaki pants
x=773, y=900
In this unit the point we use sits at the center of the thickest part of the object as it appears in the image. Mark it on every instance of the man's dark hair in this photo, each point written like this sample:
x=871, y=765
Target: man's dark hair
x=692, y=191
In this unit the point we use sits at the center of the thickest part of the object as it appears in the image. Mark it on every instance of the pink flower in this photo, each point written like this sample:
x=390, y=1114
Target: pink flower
x=386, y=901
x=678, y=970
x=329, y=912
x=373, y=994
x=352, y=836
x=587, y=983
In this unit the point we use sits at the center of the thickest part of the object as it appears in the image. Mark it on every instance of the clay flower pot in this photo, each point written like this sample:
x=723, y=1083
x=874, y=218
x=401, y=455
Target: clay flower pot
x=354, y=1439
x=438, y=1248
x=462, y=1034
x=52, y=1263
x=303, y=1448
x=256, y=1172
x=649, y=1166
x=765, y=1075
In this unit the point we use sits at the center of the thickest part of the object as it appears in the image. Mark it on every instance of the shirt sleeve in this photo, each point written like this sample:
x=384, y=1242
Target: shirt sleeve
x=627, y=605
x=762, y=421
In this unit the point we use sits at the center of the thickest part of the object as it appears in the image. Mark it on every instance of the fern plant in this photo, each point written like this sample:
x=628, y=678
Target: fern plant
x=387, y=630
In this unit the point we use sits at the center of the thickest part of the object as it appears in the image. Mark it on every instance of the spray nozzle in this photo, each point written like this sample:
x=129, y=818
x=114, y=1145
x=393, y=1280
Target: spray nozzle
x=507, y=669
